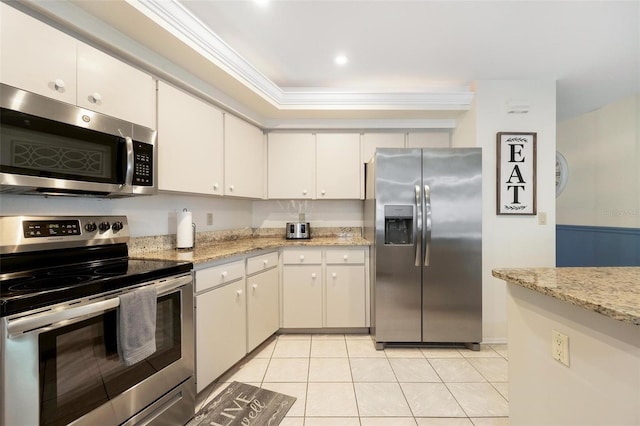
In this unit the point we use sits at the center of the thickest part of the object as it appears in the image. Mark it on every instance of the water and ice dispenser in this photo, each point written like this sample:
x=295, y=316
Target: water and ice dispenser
x=398, y=224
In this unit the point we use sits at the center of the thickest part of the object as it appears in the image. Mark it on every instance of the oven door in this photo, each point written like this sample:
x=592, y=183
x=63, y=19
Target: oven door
x=61, y=366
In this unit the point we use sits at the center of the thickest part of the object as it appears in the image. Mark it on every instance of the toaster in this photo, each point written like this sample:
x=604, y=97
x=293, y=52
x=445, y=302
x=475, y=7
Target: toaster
x=298, y=231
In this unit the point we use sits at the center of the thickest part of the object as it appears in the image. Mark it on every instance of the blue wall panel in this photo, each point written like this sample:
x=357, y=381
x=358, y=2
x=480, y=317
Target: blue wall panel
x=597, y=246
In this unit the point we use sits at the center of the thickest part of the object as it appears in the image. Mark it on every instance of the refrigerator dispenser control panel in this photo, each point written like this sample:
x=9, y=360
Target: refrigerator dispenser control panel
x=398, y=224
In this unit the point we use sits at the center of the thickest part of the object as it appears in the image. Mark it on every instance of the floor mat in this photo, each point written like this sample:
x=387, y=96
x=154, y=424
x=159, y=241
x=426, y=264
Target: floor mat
x=244, y=405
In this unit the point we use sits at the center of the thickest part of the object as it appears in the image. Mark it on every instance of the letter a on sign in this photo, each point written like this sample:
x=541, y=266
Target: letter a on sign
x=516, y=173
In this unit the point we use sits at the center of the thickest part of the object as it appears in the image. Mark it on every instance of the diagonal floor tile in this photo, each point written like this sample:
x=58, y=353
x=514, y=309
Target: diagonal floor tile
x=292, y=349
x=431, y=400
x=287, y=370
x=331, y=400
x=328, y=349
x=387, y=421
x=456, y=370
x=479, y=399
x=381, y=400
x=329, y=370
x=371, y=370
x=493, y=369
x=414, y=370
x=363, y=348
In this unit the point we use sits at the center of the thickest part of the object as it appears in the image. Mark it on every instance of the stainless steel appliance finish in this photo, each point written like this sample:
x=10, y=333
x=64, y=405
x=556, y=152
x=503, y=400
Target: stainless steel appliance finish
x=58, y=346
x=298, y=231
x=49, y=147
x=423, y=211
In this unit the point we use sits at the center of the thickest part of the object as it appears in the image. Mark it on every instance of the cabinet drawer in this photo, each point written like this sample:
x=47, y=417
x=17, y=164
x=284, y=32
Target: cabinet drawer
x=302, y=257
x=345, y=256
x=217, y=275
x=262, y=262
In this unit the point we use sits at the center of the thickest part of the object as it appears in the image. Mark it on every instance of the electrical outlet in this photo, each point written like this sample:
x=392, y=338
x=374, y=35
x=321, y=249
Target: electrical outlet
x=209, y=219
x=542, y=218
x=560, y=347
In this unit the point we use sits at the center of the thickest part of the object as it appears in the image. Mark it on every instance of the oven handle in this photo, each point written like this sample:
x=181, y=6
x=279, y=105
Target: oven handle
x=55, y=319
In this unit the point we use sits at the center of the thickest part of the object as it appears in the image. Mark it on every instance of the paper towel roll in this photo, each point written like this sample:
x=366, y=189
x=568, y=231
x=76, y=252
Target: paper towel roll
x=185, y=229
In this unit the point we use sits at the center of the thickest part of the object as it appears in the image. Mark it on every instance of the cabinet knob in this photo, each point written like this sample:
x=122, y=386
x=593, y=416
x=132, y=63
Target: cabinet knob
x=224, y=274
x=58, y=84
x=255, y=286
x=301, y=257
x=95, y=98
x=323, y=192
x=239, y=293
x=345, y=257
x=215, y=186
x=333, y=275
x=313, y=276
x=231, y=188
x=265, y=262
x=304, y=192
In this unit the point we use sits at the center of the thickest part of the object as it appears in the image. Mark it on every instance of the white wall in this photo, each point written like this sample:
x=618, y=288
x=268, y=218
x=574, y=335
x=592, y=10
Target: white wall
x=513, y=241
x=602, y=149
x=323, y=213
x=147, y=216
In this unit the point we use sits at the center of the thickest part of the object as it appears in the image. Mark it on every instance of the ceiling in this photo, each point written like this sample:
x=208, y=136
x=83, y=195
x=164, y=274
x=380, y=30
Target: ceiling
x=406, y=59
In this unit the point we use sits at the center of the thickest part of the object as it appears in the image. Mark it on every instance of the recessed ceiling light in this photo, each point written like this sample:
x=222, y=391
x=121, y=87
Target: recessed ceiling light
x=341, y=59
x=261, y=3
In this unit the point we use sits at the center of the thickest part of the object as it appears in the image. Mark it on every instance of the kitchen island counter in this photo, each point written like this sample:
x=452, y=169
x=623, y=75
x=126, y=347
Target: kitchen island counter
x=597, y=311
x=613, y=291
x=219, y=249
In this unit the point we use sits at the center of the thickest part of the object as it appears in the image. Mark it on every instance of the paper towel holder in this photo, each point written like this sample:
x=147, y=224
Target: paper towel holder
x=193, y=237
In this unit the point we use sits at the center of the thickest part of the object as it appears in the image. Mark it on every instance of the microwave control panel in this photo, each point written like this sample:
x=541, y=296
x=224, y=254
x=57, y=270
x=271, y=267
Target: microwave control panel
x=142, y=164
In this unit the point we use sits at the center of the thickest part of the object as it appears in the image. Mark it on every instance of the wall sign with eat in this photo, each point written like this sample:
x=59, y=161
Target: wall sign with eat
x=516, y=168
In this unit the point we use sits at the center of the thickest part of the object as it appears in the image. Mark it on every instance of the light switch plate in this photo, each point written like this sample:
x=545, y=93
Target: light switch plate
x=542, y=218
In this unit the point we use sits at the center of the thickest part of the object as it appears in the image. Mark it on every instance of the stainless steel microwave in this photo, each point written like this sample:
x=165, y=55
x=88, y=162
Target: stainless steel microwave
x=49, y=147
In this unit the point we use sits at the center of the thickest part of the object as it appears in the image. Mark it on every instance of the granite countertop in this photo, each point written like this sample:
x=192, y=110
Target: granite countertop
x=611, y=291
x=236, y=244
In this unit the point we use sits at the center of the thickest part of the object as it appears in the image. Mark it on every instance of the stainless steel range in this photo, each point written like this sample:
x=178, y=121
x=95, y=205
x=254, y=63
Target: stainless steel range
x=62, y=280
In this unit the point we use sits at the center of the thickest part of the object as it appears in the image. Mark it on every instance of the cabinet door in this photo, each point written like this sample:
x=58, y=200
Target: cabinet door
x=291, y=165
x=111, y=87
x=35, y=56
x=190, y=143
x=302, y=296
x=263, y=309
x=244, y=159
x=220, y=331
x=435, y=139
x=372, y=141
x=345, y=292
x=338, y=166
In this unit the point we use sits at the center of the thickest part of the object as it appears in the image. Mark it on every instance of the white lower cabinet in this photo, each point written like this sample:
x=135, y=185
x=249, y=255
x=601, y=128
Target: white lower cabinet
x=236, y=309
x=221, y=331
x=263, y=307
x=324, y=288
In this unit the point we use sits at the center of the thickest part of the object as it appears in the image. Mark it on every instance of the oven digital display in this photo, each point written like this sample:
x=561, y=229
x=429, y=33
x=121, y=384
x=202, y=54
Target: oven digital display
x=46, y=228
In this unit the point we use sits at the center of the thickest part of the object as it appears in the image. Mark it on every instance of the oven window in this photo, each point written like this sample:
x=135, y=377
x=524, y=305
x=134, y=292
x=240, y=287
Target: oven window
x=80, y=368
x=40, y=147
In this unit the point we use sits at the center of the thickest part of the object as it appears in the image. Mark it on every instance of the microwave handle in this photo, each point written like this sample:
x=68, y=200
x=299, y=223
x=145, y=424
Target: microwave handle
x=58, y=318
x=128, y=176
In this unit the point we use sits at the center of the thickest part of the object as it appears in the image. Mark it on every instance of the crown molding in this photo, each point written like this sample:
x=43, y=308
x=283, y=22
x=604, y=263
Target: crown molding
x=176, y=19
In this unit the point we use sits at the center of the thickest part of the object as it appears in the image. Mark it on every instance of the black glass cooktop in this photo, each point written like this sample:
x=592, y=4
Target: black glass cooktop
x=25, y=290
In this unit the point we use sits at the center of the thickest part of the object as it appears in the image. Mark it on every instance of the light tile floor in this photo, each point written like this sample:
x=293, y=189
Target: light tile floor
x=342, y=380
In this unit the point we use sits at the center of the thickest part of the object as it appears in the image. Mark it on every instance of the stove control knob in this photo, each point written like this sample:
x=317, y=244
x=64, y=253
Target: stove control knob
x=117, y=226
x=104, y=226
x=90, y=226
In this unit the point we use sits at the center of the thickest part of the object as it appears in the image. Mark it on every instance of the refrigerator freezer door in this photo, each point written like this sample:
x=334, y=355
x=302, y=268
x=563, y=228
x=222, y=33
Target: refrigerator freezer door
x=397, y=290
x=452, y=277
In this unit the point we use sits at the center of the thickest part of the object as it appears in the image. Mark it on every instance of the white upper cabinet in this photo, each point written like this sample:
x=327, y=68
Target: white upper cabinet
x=291, y=165
x=432, y=139
x=338, y=166
x=111, y=87
x=372, y=141
x=244, y=159
x=46, y=61
x=190, y=143
x=36, y=57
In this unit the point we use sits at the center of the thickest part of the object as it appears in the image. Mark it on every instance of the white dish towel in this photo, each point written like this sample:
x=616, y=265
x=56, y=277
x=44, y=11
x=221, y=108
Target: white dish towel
x=137, y=325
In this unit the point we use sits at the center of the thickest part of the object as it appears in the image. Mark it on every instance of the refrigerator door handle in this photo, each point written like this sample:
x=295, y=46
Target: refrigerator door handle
x=427, y=227
x=417, y=230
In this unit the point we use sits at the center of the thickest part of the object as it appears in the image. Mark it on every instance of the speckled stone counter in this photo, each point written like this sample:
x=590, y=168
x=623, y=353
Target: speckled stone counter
x=225, y=244
x=614, y=292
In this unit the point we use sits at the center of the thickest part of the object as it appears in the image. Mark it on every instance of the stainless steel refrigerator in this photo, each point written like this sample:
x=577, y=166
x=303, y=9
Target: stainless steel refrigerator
x=423, y=213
